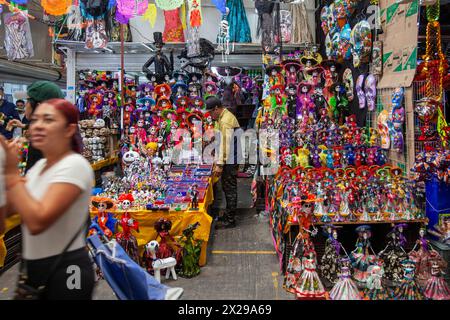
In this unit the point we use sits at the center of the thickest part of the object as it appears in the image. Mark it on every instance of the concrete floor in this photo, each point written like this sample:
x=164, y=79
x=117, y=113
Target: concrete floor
x=242, y=263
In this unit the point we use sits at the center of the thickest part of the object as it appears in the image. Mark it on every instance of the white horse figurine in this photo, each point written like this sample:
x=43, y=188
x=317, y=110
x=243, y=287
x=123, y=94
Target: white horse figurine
x=160, y=264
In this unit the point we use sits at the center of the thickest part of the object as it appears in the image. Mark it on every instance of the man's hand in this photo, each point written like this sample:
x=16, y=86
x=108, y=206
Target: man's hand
x=15, y=123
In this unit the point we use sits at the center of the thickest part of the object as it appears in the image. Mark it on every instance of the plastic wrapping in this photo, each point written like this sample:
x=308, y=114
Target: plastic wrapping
x=18, y=42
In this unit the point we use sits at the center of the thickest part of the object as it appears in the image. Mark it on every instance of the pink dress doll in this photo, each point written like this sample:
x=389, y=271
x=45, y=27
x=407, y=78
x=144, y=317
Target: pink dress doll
x=345, y=288
x=309, y=285
x=436, y=288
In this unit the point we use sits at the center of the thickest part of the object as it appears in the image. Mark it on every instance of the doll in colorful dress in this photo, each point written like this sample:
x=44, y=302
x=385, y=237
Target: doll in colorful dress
x=361, y=257
x=294, y=266
x=329, y=264
x=309, y=285
x=345, y=288
x=104, y=219
x=436, y=288
x=374, y=286
x=162, y=227
x=408, y=290
x=291, y=100
x=125, y=238
x=422, y=257
x=394, y=253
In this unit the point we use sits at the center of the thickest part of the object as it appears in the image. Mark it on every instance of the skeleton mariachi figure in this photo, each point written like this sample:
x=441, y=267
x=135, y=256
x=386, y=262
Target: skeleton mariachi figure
x=125, y=238
x=104, y=219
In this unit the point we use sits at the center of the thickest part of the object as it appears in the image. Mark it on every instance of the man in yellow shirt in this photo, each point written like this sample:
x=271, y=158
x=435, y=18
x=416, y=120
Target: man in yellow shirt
x=226, y=163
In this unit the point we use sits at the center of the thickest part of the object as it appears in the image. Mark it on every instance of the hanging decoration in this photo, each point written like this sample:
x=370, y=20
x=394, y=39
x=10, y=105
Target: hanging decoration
x=74, y=23
x=183, y=16
x=96, y=37
x=56, y=7
x=195, y=13
x=301, y=31
x=223, y=38
x=95, y=9
x=131, y=8
x=435, y=66
x=150, y=14
x=220, y=5
x=265, y=24
x=239, y=28
x=173, y=28
x=168, y=4
x=18, y=42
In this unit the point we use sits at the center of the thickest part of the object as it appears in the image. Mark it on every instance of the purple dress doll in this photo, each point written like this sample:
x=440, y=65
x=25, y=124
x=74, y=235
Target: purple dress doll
x=345, y=288
x=305, y=101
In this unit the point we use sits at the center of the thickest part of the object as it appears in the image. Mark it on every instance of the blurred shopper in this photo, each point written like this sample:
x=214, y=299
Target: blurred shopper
x=36, y=93
x=8, y=112
x=21, y=123
x=53, y=204
x=226, y=123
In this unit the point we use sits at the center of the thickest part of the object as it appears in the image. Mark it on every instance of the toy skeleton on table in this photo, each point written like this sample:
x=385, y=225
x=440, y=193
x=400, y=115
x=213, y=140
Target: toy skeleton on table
x=161, y=63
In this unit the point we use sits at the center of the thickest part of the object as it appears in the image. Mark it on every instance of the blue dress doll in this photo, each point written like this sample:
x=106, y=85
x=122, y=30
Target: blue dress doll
x=360, y=257
x=237, y=20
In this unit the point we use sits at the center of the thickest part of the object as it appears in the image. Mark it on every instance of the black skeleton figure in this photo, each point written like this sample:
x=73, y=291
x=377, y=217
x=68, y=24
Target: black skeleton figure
x=161, y=63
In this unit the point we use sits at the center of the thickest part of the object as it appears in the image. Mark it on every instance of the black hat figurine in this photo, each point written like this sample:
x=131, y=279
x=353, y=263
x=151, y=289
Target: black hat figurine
x=158, y=39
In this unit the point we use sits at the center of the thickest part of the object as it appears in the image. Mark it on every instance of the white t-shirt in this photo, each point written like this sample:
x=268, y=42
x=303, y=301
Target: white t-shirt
x=2, y=178
x=73, y=169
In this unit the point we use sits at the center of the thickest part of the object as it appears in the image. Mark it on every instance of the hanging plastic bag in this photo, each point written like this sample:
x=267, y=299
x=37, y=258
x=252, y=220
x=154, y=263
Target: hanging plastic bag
x=96, y=37
x=18, y=42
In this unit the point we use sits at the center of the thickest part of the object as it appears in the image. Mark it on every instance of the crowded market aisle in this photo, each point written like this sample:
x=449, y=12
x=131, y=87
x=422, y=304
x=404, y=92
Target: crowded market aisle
x=242, y=263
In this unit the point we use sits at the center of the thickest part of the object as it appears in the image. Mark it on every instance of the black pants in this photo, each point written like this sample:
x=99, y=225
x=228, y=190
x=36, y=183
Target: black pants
x=229, y=186
x=73, y=279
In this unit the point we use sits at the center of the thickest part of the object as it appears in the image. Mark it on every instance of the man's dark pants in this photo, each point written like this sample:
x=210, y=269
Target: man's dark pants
x=229, y=187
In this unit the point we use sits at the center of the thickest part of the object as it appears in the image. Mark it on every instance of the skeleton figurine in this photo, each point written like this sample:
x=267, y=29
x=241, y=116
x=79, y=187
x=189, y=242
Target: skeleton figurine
x=223, y=38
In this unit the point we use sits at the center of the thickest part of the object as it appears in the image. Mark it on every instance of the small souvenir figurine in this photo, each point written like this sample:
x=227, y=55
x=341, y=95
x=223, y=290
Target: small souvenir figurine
x=339, y=103
x=162, y=227
x=361, y=257
x=422, y=256
x=315, y=76
x=329, y=264
x=292, y=70
x=436, y=288
x=294, y=266
x=210, y=89
x=305, y=103
x=337, y=157
x=374, y=287
x=275, y=76
x=291, y=100
x=191, y=252
x=319, y=99
x=193, y=193
x=105, y=220
x=408, y=290
x=309, y=285
x=395, y=123
x=331, y=76
x=393, y=254
x=278, y=99
x=125, y=238
x=345, y=288
x=308, y=63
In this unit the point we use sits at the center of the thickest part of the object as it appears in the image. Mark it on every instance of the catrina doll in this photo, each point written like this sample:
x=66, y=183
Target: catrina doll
x=329, y=264
x=361, y=256
x=125, y=238
x=104, y=219
x=394, y=253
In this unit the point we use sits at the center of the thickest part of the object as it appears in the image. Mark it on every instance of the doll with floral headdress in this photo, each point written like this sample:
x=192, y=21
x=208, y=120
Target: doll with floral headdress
x=329, y=264
x=394, y=253
x=408, y=289
x=345, y=288
x=125, y=238
x=309, y=285
x=421, y=254
x=375, y=289
x=436, y=288
x=361, y=256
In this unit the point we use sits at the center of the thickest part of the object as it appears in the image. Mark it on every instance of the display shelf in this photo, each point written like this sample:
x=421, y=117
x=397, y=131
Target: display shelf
x=104, y=163
x=425, y=220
